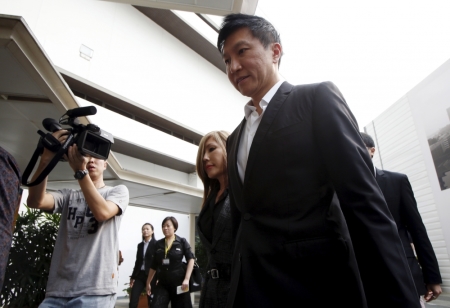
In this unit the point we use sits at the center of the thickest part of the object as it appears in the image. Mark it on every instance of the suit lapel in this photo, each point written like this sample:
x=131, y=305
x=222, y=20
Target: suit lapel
x=141, y=246
x=233, y=172
x=268, y=117
x=148, y=246
x=381, y=179
x=205, y=241
x=221, y=221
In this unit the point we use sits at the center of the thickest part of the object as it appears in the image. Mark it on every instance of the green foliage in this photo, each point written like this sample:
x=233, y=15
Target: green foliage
x=29, y=259
x=128, y=290
x=200, y=254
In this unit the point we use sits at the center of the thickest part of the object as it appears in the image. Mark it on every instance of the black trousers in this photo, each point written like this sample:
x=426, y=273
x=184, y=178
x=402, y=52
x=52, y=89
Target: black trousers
x=136, y=290
x=165, y=294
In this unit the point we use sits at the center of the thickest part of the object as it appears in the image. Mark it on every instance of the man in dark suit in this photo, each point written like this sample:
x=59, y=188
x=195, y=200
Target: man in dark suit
x=297, y=166
x=400, y=199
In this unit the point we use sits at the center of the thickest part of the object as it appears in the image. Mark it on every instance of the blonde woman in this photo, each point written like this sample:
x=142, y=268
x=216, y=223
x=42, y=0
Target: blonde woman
x=214, y=221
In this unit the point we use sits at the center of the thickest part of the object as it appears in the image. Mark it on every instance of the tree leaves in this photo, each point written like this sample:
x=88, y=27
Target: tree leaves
x=29, y=259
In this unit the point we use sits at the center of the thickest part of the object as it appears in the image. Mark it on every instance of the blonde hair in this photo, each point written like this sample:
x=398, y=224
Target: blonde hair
x=209, y=184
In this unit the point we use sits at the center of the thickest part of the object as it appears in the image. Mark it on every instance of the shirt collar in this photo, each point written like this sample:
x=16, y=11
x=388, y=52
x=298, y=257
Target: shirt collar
x=249, y=108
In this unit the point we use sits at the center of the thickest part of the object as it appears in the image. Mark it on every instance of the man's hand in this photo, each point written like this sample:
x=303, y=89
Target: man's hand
x=131, y=283
x=47, y=155
x=37, y=197
x=121, y=258
x=433, y=292
x=75, y=159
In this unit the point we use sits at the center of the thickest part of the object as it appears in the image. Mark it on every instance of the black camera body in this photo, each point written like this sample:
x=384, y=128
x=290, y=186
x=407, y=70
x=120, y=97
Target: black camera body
x=90, y=140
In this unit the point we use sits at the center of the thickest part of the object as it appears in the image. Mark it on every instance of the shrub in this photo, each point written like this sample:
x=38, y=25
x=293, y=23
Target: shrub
x=29, y=259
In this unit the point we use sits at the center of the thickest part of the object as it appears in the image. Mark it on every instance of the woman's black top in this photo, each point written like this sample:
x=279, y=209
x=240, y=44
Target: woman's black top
x=172, y=274
x=211, y=213
x=214, y=230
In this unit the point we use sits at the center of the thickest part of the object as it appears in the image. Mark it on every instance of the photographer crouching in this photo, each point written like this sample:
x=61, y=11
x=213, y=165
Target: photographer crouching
x=83, y=271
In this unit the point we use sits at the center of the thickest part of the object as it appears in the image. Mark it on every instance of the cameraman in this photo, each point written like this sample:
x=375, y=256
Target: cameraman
x=83, y=271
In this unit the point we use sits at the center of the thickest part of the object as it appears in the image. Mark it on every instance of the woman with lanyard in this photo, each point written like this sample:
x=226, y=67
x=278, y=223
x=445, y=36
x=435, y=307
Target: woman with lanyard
x=144, y=257
x=173, y=275
x=214, y=221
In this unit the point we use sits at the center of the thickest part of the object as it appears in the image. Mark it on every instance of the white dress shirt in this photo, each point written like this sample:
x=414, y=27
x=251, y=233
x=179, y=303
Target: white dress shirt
x=251, y=126
x=143, y=254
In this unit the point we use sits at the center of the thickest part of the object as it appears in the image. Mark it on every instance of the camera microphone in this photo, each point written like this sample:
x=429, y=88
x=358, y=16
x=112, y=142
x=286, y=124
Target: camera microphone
x=81, y=112
x=51, y=125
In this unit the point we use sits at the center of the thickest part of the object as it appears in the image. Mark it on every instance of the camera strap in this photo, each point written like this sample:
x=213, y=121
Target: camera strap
x=49, y=141
x=39, y=149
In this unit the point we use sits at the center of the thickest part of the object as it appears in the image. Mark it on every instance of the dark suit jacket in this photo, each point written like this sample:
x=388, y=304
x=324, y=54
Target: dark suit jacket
x=306, y=169
x=219, y=251
x=149, y=253
x=401, y=202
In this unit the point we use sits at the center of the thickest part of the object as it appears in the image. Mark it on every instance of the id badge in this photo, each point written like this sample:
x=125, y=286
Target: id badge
x=166, y=261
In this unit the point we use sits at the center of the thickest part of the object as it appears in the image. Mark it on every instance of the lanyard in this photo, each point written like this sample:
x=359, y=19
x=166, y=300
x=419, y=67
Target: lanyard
x=168, y=247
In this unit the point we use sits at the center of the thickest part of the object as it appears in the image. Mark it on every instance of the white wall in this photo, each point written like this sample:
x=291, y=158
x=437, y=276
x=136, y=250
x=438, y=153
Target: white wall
x=401, y=134
x=133, y=57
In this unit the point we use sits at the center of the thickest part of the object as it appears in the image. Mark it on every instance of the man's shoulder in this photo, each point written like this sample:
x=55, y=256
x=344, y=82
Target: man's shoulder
x=325, y=92
x=118, y=188
x=318, y=86
x=392, y=174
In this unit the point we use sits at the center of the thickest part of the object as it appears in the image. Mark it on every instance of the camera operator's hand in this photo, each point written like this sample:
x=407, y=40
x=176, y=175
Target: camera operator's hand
x=75, y=159
x=47, y=155
x=37, y=197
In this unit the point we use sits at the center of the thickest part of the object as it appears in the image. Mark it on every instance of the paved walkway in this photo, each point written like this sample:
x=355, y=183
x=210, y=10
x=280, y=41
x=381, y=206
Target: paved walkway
x=122, y=302
x=442, y=302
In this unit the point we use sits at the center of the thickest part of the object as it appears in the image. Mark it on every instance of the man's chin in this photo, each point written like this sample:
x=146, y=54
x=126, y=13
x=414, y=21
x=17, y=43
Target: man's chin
x=245, y=92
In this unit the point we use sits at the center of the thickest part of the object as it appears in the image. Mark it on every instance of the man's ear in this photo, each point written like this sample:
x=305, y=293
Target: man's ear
x=277, y=51
x=106, y=164
x=372, y=151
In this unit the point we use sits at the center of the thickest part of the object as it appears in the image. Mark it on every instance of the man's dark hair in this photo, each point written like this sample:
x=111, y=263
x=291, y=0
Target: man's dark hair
x=261, y=29
x=368, y=141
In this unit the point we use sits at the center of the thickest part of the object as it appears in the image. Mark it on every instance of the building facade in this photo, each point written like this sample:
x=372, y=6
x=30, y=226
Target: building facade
x=412, y=137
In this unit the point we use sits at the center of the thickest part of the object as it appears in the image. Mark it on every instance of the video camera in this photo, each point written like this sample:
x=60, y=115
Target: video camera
x=90, y=140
